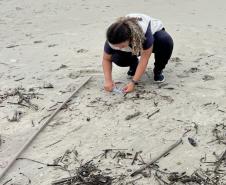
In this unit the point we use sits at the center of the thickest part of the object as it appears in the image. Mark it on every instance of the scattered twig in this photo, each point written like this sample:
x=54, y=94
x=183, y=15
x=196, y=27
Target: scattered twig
x=220, y=110
x=13, y=103
x=65, y=180
x=7, y=181
x=54, y=143
x=44, y=118
x=219, y=162
x=29, y=180
x=46, y=164
x=152, y=114
x=188, y=130
x=131, y=116
x=12, y=46
x=135, y=157
x=19, y=79
x=23, y=158
x=196, y=127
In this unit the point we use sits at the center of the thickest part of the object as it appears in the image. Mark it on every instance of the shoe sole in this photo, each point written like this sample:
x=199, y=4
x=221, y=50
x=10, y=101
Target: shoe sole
x=158, y=82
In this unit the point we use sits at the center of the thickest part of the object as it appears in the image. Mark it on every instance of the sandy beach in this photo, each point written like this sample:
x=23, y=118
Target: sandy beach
x=48, y=48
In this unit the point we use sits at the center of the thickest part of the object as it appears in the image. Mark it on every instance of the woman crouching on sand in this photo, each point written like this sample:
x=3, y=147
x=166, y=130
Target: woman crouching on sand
x=132, y=36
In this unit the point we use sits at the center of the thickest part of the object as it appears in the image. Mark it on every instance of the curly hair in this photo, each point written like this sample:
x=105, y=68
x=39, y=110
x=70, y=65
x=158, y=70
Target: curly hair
x=127, y=28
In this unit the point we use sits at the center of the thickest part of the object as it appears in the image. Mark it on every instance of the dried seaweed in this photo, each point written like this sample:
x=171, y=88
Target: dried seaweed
x=23, y=97
x=219, y=132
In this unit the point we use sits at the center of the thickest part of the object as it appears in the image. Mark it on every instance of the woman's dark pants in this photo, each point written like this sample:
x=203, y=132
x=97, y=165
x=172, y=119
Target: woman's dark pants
x=163, y=47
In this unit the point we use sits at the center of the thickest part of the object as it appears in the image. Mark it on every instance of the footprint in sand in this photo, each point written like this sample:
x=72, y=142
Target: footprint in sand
x=185, y=74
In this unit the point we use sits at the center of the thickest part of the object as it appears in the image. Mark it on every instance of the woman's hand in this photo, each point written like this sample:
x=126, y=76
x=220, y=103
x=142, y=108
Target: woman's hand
x=129, y=87
x=109, y=85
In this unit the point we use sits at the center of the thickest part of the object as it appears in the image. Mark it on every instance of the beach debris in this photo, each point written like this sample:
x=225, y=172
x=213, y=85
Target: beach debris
x=15, y=117
x=153, y=113
x=108, y=176
x=52, y=45
x=44, y=118
x=220, y=110
x=175, y=59
x=136, y=157
x=220, y=161
x=208, y=78
x=192, y=141
x=164, y=153
x=9, y=93
x=94, y=172
x=28, y=179
x=196, y=127
x=7, y=181
x=12, y=46
x=19, y=79
x=62, y=66
x=169, y=88
x=131, y=116
x=35, y=134
x=91, y=172
x=86, y=174
x=193, y=70
x=219, y=132
x=80, y=172
x=82, y=51
x=37, y=41
x=53, y=143
x=23, y=97
x=47, y=85
x=185, y=179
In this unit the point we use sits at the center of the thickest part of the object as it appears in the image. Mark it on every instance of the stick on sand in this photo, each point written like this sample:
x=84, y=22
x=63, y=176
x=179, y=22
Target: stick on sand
x=41, y=128
x=157, y=158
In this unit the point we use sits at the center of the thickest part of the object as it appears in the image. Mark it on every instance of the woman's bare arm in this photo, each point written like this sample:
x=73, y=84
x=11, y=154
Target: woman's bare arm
x=107, y=67
x=145, y=55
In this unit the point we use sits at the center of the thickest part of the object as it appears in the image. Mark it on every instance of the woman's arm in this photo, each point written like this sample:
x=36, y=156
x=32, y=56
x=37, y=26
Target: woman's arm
x=107, y=68
x=145, y=55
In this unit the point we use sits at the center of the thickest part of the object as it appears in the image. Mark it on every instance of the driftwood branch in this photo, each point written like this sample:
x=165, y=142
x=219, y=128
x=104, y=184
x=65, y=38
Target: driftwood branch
x=157, y=158
x=29, y=141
